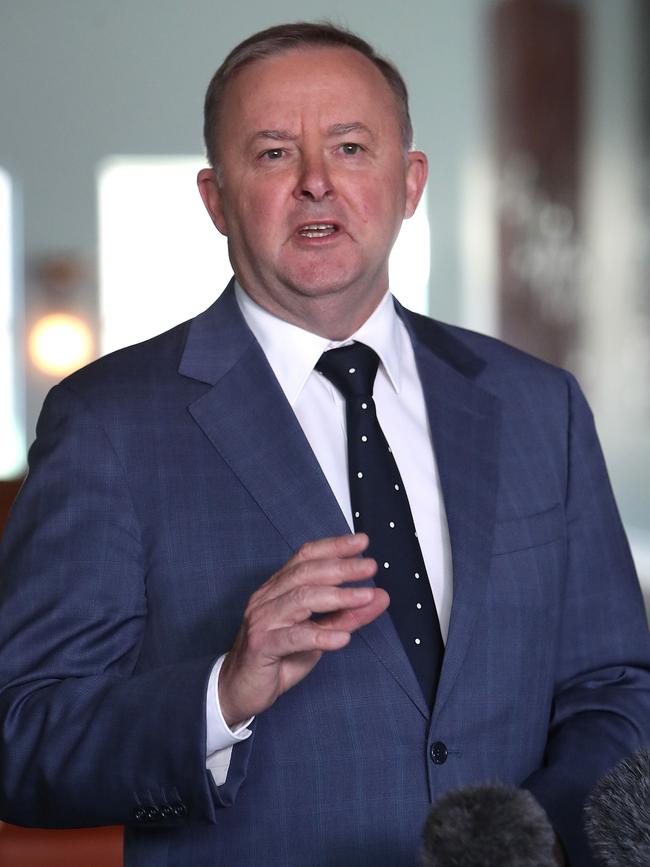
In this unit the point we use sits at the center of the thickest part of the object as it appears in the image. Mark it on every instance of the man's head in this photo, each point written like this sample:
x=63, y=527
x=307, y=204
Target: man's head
x=287, y=37
x=313, y=177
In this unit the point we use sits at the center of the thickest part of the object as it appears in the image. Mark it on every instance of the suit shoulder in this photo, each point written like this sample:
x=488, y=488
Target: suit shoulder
x=126, y=383
x=131, y=366
x=488, y=358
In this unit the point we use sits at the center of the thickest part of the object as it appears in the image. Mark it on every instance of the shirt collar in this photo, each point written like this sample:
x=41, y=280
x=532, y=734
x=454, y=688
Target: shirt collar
x=293, y=352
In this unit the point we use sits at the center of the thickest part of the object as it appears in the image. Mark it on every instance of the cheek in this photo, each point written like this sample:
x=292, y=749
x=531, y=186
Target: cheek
x=370, y=205
x=380, y=205
x=264, y=207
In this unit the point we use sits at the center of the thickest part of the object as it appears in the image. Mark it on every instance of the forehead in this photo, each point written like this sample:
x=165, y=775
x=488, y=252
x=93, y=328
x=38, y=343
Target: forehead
x=330, y=82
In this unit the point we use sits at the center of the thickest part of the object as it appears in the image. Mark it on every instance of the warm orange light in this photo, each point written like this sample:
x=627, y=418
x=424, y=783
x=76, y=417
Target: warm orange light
x=60, y=343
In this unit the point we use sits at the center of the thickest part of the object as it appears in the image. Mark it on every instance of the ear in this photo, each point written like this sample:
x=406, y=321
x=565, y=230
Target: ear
x=211, y=194
x=417, y=170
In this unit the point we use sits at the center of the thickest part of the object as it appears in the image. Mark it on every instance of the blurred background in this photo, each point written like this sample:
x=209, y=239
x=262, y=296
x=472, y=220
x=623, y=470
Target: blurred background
x=535, y=115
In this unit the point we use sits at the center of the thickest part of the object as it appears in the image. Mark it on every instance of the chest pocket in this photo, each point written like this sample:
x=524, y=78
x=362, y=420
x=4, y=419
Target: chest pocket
x=531, y=531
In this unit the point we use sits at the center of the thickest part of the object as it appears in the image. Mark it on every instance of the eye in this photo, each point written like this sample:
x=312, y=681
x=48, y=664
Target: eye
x=351, y=149
x=273, y=154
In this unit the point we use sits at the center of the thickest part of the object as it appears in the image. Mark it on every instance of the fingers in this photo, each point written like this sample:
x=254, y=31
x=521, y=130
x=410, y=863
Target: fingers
x=301, y=639
x=316, y=590
x=350, y=619
x=334, y=546
x=275, y=634
x=330, y=561
x=309, y=584
x=300, y=603
x=331, y=632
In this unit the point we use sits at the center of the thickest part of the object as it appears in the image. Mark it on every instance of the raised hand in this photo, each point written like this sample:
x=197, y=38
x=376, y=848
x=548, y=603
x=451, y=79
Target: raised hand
x=278, y=642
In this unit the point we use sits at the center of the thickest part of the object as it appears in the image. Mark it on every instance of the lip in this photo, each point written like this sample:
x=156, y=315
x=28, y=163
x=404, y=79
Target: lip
x=318, y=231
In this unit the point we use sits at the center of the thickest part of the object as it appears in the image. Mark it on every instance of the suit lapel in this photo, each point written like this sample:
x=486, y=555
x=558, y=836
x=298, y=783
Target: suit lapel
x=248, y=420
x=464, y=421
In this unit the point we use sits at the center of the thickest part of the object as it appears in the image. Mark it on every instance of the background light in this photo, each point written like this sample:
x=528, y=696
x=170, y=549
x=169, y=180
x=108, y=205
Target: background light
x=60, y=343
x=12, y=439
x=161, y=259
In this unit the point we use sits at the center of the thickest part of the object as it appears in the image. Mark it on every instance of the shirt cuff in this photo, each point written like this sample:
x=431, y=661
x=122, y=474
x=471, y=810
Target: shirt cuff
x=219, y=735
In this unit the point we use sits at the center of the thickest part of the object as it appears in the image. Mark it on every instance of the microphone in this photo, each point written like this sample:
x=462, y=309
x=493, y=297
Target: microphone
x=617, y=814
x=488, y=826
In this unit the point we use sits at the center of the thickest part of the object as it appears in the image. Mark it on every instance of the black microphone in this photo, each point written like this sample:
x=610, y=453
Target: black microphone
x=488, y=826
x=617, y=814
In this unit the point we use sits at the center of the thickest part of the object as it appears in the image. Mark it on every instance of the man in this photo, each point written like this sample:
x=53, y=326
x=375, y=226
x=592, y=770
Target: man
x=192, y=641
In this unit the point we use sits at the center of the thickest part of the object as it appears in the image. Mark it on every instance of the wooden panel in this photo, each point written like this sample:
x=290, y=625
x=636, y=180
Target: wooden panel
x=537, y=62
x=85, y=847
x=8, y=491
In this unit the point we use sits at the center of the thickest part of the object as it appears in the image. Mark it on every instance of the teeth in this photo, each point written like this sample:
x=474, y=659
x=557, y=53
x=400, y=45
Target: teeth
x=317, y=230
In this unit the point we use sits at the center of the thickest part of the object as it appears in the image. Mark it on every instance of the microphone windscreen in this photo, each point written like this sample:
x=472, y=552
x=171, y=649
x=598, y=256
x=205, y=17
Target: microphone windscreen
x=617, y=814
x=488, y=826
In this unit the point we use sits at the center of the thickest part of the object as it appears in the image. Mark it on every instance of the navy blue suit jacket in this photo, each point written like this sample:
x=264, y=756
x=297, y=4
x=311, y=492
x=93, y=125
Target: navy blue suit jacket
x=170, y=479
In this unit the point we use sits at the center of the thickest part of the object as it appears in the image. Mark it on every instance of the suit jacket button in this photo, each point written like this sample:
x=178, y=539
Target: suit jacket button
x=166, y=811
x=439, y=753
x=140, y=814
x=153, y=814
x=179, y=809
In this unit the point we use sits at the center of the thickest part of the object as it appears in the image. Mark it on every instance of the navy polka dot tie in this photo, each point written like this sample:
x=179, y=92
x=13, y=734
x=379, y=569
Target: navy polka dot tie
x=380, y=508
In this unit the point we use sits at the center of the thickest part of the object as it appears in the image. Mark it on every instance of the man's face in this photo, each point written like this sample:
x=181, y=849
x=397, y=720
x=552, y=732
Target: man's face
x=314, y=184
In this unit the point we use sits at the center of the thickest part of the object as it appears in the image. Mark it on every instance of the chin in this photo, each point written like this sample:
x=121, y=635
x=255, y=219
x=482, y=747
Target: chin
x=323, y=280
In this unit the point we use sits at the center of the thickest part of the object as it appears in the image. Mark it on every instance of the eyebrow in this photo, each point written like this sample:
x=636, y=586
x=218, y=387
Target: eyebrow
x=336, y=129
x=274, y=134
x=345, y=128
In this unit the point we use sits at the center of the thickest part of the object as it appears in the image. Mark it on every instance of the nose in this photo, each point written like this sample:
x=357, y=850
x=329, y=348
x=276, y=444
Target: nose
x=314, y=181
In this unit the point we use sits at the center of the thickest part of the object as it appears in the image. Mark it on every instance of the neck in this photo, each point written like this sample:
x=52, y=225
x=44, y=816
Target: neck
x=333, y=317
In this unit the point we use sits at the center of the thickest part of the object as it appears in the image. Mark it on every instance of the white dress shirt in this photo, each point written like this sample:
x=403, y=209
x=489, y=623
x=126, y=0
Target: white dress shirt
x=292, y=354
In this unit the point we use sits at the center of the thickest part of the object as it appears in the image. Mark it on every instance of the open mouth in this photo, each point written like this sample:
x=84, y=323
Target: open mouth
x=318, y=230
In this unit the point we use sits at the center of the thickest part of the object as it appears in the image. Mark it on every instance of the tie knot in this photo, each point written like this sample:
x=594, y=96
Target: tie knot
x=352, y=369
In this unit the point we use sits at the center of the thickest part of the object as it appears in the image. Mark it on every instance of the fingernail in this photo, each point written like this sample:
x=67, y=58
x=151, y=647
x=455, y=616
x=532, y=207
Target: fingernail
x=363, y=593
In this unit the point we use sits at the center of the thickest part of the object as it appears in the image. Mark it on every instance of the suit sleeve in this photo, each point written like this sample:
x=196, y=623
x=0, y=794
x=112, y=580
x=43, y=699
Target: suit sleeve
x=601, y=709
x=86, y=738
